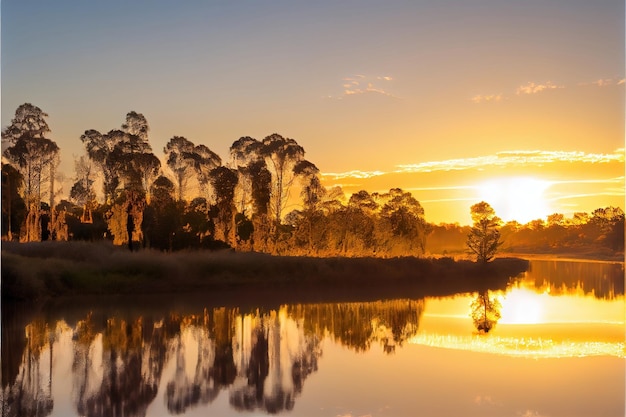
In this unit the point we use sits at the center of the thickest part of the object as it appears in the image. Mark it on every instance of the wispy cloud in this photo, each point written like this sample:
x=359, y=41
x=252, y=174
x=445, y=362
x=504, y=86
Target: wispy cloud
x=361, y=84
x=534, y=88
x=604, y=82
x=500, y=159
x=509, y=158
x=491, y=98
x=354, y=174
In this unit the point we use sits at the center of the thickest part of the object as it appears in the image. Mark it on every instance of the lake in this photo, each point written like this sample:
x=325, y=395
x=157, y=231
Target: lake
x=551, y=344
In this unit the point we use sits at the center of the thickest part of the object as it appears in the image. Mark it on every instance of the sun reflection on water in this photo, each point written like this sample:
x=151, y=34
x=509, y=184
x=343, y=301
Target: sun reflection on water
x=521, y=346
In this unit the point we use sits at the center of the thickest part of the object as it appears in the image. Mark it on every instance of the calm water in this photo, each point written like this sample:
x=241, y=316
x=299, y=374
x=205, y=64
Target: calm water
x=555, y=348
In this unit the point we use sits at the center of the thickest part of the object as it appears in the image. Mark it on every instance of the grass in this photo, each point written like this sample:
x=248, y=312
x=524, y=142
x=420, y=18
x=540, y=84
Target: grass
x=49, y=269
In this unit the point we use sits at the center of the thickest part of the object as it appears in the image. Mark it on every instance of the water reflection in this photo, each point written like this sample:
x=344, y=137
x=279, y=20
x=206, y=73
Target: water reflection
x=485, y=312
x=260, y=359
x=604, y=280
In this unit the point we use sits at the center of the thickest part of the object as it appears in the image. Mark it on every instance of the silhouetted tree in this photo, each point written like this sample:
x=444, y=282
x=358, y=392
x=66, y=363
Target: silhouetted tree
x=404, y=215
x=206, y=161
x=82, y=192
x=245, y=156
x=224, y=181
x=13, y=206
x=485, y=312
x=484, y=237
x=99, y=148
x=181, y=159
x=162, y=217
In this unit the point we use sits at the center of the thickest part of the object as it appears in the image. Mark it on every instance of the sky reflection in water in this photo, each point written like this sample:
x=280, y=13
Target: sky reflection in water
x=557, y=350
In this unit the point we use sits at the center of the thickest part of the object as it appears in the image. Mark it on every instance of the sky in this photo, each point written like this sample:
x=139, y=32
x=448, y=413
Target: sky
x=520, y=104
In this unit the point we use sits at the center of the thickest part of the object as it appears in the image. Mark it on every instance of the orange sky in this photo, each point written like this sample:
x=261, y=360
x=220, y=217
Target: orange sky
x=361, y=85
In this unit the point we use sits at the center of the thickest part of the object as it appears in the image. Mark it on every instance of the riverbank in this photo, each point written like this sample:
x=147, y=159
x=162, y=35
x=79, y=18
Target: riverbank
x=52, y=269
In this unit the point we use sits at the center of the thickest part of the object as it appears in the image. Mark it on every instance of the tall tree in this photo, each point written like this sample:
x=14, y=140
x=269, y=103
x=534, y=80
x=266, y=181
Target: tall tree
x=245, y=157
x=484, y=237
x=99, y=148
x=205, y=161
x=180, y=157
x=281, y=155
x=36, y=157
x=82, y=192
x=28, y=119
x=13, y=207
x=224, y=181
x=136, y=124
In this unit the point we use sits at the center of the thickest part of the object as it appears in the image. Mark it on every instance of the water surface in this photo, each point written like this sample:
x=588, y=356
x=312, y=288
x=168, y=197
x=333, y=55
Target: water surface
x=556, y=349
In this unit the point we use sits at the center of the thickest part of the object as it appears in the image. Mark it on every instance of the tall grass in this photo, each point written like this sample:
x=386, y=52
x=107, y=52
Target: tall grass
x=42, y=269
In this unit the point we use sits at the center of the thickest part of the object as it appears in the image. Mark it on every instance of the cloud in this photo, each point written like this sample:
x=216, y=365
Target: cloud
x=532, y=88
x=353, y=174
x=484, y=400
x=492, y=98
x=604, y=82
x=530, y=413
x=499, y=159
x=509, y=158
x=361, y=84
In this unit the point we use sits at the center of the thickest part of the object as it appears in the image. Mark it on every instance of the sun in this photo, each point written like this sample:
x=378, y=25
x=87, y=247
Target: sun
x=516, y=198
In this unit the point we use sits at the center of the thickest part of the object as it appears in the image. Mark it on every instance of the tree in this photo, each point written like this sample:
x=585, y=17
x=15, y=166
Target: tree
x=484, y=237
x=28, y=118
x=312, y=190
x=281, y=155
x=185, y=159
x=136, y=124
x=36, y=158
x=205, y=161
x=246, y=158
x=224, y=181
x=124, y=156
x=99, y=148
x=13, y=207
x=178, y=154
x=82, y=192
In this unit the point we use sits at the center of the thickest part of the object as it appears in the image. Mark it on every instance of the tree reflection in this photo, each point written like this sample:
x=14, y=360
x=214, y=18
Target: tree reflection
x=485, y=312
x=117, y=364
x=31, y=393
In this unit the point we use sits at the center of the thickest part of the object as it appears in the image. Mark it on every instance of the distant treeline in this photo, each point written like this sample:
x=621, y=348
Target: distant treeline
x=599, y=234
x=267, y=197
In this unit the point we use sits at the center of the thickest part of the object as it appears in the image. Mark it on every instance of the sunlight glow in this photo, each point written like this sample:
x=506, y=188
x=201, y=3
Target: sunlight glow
x=516, y=198
x=521, y=347
x=522, y=306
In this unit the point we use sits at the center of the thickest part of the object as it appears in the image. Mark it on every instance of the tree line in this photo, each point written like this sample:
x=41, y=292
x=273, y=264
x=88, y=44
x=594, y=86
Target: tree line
x=266, y=197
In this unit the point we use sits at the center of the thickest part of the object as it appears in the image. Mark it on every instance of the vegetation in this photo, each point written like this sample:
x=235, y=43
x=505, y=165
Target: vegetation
x=599, y=235
x=44, y=269
x=266, y=197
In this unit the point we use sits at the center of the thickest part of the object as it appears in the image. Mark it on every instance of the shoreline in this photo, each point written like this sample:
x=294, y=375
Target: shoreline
x=50, y=270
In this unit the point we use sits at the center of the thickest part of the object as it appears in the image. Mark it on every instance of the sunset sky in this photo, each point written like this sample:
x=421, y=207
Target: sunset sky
x=518, y=103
